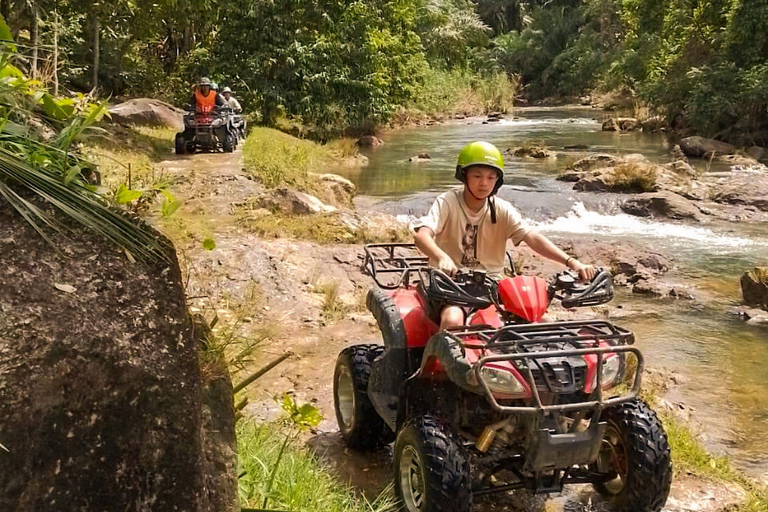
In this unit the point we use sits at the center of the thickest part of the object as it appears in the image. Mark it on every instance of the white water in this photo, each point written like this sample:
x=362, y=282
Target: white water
x=579, y=220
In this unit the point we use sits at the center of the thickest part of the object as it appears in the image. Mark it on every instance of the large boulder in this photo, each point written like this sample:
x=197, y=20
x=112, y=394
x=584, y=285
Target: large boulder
x=293, y=202
x=592, y=162
x=701, y=147
x=540, y=152
x=758, y=153
x=149, y=112
x=661, y=204
x=369, y=141
x=754, y=287
x=741, y=188
x=339, y=190
x=102, y=398
x=621, y=124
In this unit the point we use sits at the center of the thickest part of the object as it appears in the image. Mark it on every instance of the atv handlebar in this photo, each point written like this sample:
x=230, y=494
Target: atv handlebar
x=598, y=291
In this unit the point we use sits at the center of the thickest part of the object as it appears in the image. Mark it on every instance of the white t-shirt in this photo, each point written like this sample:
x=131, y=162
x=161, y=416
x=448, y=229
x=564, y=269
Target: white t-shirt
x=470, y=238
x=233, y=104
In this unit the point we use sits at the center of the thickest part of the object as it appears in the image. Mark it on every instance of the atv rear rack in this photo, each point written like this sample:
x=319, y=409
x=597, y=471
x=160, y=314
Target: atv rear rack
x=515, y=341
x=392, y=261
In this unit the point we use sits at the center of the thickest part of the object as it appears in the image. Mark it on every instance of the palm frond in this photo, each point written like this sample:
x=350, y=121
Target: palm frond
x=75, y=201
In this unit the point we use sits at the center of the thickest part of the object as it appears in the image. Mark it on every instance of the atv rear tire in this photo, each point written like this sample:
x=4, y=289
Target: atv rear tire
x=181, y=145
x=432, y=472
x=361, y=426
x=636, y=450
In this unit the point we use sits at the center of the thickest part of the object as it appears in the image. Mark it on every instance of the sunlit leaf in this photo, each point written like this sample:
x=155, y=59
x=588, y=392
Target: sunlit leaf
x=126, y=196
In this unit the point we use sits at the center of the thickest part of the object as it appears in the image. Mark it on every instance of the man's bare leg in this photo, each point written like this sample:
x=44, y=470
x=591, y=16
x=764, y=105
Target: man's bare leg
x=451, y=316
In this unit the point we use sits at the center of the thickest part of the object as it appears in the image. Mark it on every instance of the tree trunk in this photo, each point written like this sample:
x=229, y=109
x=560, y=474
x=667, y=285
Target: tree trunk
x=5, y=10
x=96, y=34
x=56, y=53
x=35, y=37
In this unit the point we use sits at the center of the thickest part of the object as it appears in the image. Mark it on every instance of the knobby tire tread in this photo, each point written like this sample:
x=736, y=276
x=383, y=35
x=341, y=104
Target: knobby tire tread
x=368, y=430
x=449, y=476
x=650, y=463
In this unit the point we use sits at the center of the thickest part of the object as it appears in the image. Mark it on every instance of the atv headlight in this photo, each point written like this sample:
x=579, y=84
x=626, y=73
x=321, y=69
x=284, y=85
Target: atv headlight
x=217, y=123
x=610, y=370
x=189, y=122
x=501, y=381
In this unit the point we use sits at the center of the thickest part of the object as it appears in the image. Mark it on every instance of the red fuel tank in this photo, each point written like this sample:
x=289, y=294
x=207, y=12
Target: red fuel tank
x=525, y=296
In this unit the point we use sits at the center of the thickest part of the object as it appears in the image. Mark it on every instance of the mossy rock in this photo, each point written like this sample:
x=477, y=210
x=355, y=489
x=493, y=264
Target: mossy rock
x=754, y=287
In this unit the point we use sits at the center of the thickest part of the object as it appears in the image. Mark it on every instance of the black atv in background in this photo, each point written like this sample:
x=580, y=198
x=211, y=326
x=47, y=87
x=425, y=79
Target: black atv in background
x=208, y=130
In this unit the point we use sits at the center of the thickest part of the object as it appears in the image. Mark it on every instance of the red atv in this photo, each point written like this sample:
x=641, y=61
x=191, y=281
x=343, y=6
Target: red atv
x=506, y=402
x=210, y=129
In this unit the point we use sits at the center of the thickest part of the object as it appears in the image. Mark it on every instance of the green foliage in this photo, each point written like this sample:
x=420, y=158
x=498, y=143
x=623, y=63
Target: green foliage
x=301, y=482
x=450, y=31
x=450, y=92
x=330, y=64
x=49, y=170
x=277, y=159
x=209, y=244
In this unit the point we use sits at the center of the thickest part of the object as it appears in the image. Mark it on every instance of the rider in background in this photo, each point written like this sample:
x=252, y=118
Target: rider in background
x=237, y=109
x=469, y=228
x=231, y=101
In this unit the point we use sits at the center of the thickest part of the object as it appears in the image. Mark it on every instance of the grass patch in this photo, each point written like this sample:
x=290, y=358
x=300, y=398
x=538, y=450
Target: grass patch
x=301, y=482
x=448, y=93
x=688, y=455
x=277, y=159
x=320, y=228
x=141, y=147
x=632, y=176
x=333, y=307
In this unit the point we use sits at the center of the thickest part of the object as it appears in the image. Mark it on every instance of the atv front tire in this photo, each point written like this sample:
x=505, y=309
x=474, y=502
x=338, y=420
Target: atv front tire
x=432, y=472
x=361, y=426
x=227, y=144
x=635, y=457
x=180, y=145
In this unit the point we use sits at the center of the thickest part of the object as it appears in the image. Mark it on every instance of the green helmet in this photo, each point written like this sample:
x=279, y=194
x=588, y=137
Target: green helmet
x=480, y=153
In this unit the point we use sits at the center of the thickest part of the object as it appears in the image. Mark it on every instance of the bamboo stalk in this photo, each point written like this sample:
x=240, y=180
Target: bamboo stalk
x=251, y=378
x=239, y=406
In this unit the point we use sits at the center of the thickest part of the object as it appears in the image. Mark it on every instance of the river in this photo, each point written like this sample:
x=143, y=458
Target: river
x=723, y=361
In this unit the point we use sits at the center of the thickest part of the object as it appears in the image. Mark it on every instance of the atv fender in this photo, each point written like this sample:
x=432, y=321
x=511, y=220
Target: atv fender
x=391, y=369
x=447, y=351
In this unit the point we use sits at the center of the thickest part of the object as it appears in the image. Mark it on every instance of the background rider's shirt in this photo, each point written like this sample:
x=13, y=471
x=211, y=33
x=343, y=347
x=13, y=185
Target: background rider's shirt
x=470, y=238
x=233, y=104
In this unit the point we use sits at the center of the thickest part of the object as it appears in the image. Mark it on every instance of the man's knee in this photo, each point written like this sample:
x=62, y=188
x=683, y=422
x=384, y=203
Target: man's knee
x=451, y=316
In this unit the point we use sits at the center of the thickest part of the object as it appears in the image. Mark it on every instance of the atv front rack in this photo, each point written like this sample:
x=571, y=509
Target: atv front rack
x=515, y=343
x=385, y=260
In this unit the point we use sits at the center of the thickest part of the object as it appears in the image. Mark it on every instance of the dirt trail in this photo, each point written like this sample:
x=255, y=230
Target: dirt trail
x=274, y=282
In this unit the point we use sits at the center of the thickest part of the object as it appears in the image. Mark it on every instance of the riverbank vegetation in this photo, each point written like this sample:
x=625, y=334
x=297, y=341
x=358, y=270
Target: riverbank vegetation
x=350, y=67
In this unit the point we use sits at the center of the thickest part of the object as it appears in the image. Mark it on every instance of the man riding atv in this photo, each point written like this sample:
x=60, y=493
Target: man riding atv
x=470, y=227
x=208, y=124
x=206, y=98
x=237, y=109
x=481, y=395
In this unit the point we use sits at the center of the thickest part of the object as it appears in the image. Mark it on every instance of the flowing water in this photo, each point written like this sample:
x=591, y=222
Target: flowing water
x=723, y=361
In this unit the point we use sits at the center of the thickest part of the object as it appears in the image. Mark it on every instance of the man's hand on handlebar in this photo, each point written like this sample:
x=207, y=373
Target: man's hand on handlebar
x=586, y=272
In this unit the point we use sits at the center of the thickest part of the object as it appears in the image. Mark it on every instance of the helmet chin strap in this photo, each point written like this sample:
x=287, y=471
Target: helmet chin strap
x=491, y=203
